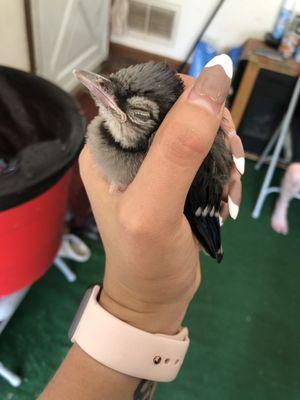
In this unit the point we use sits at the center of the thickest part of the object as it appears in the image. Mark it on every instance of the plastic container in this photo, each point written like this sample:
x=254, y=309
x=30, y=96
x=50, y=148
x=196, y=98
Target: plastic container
x=288, y=45
x=41, y=133
x=291, y=39
x=284, y=18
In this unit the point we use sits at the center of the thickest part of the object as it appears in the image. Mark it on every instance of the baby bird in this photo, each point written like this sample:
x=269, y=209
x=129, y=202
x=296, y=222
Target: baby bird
x=132, y=104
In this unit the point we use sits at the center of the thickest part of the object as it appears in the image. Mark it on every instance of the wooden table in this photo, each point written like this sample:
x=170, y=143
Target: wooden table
x=254, y=64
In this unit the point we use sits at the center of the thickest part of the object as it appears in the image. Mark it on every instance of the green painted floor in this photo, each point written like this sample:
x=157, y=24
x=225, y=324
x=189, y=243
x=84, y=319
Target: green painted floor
x=244, y=322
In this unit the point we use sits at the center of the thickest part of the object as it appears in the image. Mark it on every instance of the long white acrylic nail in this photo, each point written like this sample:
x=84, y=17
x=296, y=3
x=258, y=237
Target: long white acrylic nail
x=224, y=61
x=221, y=220
x=240, y=164
x=233, y=208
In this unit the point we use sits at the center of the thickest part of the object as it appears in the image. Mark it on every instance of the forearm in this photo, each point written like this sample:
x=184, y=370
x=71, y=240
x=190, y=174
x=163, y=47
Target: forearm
x=81, y=378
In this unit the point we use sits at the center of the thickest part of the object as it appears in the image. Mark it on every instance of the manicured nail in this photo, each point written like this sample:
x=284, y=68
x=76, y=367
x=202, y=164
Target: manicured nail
x=233, y=208
x=237, y=151
x=225, y=61
x=239, y=163
x=221, y=220
x=213, y=84
x=234, y=195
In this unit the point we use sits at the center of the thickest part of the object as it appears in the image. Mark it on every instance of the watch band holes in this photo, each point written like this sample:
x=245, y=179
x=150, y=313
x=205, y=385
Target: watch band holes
x=157, y=360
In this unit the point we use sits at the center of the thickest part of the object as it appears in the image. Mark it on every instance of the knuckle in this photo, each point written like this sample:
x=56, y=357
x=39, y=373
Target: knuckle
x=294, y=172
x=183, y=143
x=133, y=224
x=295, y=180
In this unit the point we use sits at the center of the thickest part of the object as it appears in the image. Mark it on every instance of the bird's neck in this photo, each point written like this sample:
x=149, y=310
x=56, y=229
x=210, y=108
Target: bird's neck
x=103, y=127
x=110, y=139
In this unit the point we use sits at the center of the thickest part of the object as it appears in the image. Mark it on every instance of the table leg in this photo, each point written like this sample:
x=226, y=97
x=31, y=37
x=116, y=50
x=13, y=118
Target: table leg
x=244, y=91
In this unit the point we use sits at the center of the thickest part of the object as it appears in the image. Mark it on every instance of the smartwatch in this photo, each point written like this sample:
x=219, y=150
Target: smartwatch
x=125, y=348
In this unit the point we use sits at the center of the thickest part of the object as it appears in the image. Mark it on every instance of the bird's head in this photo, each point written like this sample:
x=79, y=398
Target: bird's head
x=134, y=100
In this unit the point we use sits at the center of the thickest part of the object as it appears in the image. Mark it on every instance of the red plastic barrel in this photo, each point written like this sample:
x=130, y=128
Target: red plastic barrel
x=30, y=235
x=41, y=133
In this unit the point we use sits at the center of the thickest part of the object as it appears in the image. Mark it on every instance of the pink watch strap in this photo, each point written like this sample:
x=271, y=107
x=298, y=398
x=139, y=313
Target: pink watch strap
x=127, y=349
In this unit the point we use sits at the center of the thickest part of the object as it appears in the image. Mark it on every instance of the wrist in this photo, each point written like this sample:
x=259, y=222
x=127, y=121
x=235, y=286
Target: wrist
x=123, y=347
x=164, y=319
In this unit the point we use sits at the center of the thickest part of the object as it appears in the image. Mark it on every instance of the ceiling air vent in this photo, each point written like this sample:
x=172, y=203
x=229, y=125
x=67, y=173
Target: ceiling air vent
x=149, y=19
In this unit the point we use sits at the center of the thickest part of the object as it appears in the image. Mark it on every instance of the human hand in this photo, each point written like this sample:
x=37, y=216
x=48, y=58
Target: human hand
x=152, y=259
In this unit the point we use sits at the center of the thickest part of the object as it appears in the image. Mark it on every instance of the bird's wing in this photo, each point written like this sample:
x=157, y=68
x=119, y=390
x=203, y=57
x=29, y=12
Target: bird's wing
x=202, y=211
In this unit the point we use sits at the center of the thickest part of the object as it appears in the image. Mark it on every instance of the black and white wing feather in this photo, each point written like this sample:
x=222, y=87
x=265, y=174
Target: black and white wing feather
x=203, y=202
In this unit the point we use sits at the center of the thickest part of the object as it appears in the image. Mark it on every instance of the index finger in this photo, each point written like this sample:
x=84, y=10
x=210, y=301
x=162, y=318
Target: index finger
x=182, y=142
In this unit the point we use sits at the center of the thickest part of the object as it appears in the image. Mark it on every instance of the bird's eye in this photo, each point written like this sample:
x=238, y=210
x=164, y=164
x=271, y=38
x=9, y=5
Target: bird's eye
x=143, y=115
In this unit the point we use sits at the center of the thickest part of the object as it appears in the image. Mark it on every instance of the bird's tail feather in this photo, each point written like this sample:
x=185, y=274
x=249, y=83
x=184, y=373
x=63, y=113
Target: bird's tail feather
x=202, y=212
x=207, y=231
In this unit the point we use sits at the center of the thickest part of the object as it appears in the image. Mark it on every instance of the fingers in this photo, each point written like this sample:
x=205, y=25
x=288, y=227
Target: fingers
x=231, y=197
x=224, y=211
x=95, y=184
x=183, y=141
x=234, y=193
x=233, y=140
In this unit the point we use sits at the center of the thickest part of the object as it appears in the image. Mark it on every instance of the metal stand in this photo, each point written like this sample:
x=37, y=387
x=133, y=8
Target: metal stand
x=8, y=306
x=11, y=378
x=65, y=269
x=280, y=135
x=72, y=247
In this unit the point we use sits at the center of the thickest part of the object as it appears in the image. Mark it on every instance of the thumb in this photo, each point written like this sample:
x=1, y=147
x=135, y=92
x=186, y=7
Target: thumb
x=182, y=142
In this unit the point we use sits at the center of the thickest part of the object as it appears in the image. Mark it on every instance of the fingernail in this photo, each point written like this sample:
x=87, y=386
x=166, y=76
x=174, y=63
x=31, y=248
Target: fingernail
x=221, y=220
x=224, y=61
x=234, y=195
x=224, y=211
x=213, y=84
x=240, y=164
x=238, y=154
x=233, y=208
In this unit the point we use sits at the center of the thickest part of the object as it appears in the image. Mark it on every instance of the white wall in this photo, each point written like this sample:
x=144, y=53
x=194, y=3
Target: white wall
x=236, y=21
x=13, y=40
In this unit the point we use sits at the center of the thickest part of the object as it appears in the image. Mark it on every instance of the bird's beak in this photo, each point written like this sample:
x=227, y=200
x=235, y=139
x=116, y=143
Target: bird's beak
x=94, y=84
